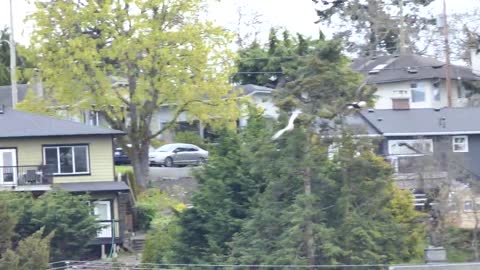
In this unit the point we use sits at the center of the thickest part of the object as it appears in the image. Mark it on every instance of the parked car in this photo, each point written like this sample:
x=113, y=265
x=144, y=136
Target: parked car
x=170, y=155
x=120, y=157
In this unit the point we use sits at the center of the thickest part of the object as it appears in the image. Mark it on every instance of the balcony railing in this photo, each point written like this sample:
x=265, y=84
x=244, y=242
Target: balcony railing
x=25, y=175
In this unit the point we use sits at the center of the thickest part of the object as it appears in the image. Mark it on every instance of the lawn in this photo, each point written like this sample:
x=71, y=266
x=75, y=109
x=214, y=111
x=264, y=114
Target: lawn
x=123, y=169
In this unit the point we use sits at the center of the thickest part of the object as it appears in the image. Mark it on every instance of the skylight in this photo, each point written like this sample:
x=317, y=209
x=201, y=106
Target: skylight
x=377, y=69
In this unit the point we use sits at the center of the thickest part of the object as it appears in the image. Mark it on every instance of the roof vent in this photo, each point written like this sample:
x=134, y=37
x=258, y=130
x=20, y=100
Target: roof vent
x=437, y=109
x=412, y=70
x=371, y=110
x=379, y=119
x=2, y=109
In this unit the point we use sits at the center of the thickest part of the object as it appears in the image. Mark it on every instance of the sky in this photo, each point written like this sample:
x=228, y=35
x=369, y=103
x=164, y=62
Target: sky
x=294, y=15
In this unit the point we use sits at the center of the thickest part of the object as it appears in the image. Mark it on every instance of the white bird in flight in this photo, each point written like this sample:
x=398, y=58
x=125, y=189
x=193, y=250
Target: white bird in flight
x=289, y=126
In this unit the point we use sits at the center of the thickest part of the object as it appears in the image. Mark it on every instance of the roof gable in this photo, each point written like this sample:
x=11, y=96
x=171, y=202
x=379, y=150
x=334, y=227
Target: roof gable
x=22, y=124
x=408, y=67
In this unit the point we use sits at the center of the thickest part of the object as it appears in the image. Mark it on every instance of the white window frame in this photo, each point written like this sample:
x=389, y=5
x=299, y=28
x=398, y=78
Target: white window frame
x=410, y=142
x=465, y=137
x=57, y=147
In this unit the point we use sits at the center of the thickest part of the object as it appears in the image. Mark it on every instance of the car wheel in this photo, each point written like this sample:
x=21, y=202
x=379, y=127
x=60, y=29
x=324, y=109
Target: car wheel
x=169, y=162
x=201, y=161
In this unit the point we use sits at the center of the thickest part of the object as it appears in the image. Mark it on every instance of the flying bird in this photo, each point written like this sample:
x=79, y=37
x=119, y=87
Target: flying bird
x=289, y=126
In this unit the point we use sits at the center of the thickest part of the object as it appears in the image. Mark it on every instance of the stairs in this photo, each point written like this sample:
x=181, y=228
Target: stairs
x=419, y=200
x=138, y=244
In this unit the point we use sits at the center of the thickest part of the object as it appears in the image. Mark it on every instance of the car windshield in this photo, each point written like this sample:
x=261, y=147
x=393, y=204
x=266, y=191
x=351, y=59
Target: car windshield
x=166, y=148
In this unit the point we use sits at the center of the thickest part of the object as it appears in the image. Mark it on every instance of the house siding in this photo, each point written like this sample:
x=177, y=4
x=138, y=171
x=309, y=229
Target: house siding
x=442, y=148
x=30, y=153
x=386, y=91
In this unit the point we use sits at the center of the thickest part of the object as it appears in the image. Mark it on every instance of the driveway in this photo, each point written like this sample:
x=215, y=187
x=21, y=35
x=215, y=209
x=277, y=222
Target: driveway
x=177, y=182
x=167, y=172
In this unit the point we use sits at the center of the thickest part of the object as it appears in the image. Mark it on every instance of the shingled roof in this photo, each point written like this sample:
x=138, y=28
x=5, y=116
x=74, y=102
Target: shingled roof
x=15, y=124
x=423, y=122
x=406, y=68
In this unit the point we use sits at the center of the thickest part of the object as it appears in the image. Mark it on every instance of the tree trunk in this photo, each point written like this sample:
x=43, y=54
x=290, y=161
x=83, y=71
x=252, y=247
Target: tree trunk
x=140, y=164
x=475, y=231
x=309, y=240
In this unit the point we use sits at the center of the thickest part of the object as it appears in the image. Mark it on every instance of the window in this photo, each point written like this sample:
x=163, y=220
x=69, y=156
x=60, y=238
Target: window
x=436, y=91
x=410, y=147
x=66, y=160
x=460, y=143
x=418, y=92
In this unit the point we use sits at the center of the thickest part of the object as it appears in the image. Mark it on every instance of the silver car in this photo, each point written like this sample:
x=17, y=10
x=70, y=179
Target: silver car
x=171, y=155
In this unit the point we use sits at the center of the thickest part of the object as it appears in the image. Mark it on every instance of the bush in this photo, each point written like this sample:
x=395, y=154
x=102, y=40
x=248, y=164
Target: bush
x=153, y=204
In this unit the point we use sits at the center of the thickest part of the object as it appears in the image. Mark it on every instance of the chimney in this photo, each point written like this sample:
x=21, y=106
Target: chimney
x=475, y=60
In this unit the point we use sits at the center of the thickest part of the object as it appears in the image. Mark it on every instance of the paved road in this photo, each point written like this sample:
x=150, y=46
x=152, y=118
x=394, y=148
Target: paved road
x=163, y=172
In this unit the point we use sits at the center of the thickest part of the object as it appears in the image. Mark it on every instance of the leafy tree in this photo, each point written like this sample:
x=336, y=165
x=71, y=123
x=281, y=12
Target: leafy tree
x=375, y=22
x=25, y=67
x=166, y=54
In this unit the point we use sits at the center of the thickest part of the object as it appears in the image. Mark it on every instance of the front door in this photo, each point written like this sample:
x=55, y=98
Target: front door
x=103, y=214
x=8, y=167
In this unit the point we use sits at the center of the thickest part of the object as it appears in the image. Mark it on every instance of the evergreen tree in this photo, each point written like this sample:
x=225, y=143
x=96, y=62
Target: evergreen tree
x=32, y=252
x=228, y=186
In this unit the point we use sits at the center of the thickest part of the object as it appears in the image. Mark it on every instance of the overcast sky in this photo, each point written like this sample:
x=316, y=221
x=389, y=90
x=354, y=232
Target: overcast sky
x=295, y=15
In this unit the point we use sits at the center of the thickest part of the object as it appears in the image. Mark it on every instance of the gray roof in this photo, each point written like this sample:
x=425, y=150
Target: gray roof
x=422, y=122
x=6, y=94
x=249, y=89
x=22, y=124
x=396, y=69
x=93, y=186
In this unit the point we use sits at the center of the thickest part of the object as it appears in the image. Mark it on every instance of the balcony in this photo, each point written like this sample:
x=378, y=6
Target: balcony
x=24, y=176
x=417, y=171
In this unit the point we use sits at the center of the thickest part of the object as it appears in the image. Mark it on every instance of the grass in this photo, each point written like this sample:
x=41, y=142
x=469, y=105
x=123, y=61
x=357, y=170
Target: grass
x=123, y=169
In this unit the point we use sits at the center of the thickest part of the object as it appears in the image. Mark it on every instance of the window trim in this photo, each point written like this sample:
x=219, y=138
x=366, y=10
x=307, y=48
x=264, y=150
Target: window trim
x=418, y=85
x=57, y=146
x=466, y=144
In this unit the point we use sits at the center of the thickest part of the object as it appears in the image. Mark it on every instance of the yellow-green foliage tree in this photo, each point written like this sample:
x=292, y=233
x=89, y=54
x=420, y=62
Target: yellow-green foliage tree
x=163, y=53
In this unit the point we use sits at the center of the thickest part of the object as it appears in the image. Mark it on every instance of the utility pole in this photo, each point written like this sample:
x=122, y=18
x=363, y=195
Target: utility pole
x=402, y=48
x=448, y=81
x=13, y=60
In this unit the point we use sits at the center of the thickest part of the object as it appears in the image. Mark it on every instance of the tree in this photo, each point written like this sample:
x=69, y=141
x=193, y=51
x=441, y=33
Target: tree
x=166, y=54
x=354, y=216
x=24, y=72
x=228, y=187
x=271, y=64
x=375, y=22
x=32, y=252
x=69, y=217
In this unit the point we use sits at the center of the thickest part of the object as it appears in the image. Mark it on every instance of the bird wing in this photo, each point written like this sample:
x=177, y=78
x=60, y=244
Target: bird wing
x=279, y=133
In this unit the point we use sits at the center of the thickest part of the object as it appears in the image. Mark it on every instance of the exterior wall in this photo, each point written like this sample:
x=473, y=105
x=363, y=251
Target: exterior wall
x=386, y=91
x=449, y=163
x=30, y=153
x=262, y=100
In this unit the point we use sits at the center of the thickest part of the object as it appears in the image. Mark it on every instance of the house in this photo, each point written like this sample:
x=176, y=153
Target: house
x=414, y=81
x=259, y=95
x=89, y=117
x=426, y=147
x=40, y=153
